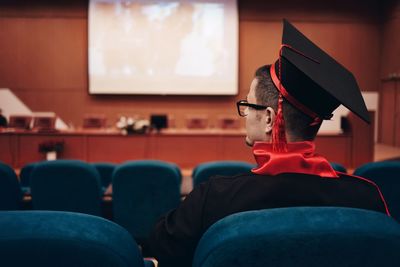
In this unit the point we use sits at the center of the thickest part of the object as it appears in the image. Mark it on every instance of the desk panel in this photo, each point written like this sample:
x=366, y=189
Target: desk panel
x=117, y=148
x=185, y=148
x=28, y=147
x=7, y=149
x=235, y=148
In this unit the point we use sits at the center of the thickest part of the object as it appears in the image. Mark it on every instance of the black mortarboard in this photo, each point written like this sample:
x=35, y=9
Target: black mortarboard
x=312, y=80
x=315, y=79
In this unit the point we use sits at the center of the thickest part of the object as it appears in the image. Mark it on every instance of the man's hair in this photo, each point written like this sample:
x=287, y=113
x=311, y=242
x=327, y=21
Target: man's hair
x=297, y=124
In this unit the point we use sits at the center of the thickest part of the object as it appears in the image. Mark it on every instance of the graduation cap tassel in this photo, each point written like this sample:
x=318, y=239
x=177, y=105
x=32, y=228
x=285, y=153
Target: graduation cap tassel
x=279, y=143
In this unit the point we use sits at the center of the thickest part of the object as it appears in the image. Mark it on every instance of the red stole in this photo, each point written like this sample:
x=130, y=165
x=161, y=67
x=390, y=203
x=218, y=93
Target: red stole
x=299, y=158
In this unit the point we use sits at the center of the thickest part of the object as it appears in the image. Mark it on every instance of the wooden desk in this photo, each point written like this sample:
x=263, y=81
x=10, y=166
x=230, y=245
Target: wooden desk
x=186, y=148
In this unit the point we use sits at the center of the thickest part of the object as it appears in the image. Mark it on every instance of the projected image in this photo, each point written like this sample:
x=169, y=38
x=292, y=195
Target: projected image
x=163, y=47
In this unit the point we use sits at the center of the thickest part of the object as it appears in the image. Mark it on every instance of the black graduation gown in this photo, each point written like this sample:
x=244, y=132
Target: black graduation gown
x=176, y=235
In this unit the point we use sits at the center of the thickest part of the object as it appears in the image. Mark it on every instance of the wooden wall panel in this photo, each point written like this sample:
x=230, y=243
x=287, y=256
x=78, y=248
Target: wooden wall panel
x=387, y=110
x=390, y=69
x=44, y=8
x=353, y=44
x=396, y=112
x=340, y=152
x=43, y=54
x=362, y=142
x=390, y=59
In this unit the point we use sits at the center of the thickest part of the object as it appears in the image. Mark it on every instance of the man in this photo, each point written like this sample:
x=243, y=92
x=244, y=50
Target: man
x=285, y=106
x=3, y=120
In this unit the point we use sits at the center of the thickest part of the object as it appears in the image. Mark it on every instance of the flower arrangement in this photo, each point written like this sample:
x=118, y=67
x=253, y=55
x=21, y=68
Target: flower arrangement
x=128, y=125
x=51, y=146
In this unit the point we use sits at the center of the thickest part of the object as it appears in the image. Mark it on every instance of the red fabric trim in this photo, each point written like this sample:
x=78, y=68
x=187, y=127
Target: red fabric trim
x=288, y=97
x=379, y=190
x=300, y=158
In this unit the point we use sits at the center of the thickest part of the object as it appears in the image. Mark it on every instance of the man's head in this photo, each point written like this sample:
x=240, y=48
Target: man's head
x=259, y=123
x=289, y=99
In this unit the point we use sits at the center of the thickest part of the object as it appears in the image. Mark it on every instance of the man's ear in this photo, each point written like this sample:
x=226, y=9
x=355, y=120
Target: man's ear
x=269, y=119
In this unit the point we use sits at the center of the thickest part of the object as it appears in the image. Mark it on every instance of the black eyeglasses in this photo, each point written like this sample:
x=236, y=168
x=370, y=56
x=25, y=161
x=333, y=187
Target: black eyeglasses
x=242, y=106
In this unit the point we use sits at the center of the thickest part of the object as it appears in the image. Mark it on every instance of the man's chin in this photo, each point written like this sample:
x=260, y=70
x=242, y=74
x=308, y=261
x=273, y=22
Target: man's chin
x=248, y=142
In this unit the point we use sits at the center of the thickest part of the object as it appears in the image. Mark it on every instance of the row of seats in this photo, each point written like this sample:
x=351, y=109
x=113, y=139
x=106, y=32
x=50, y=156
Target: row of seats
x=298, y=236
x=200, y=173
x=53, y=238
x=142, y=190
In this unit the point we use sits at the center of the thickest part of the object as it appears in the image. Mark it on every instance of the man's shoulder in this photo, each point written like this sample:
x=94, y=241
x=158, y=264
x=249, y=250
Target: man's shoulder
x=251, y=180
x=262, y=177
x=231, y=179
x=355, y=179
x=220, y=181
x=360, y=184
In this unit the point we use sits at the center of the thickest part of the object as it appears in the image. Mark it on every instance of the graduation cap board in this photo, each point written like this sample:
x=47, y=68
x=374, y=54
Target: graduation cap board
x=312, y=80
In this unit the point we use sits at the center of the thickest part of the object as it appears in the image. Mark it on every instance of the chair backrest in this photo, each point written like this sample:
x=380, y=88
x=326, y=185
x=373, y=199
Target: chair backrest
x=66, y=185
x=301, y=236
x=94, y=121
x=10, y=191
x=52, y=238
x=204, y=171
x=386, y=174
x=20, y=122
x=338, y=167
x=196, y=121
x=105, y=170
x=25, y=177
x=142, y=192
x=44, y=123
x=228, y=122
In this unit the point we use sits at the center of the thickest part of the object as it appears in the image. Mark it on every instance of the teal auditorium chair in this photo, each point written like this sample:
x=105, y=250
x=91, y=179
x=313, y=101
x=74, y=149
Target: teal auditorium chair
x=105, y=170
x=25, y=177
x=338, y=167
x=204, y=171
x=10, y=191
x=301, y=236
x=66, y=185
x=143, y=191
x=386, y=174
x=64, y=239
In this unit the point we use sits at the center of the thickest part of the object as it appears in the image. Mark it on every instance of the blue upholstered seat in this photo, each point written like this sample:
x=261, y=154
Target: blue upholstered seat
x=338, y=167
x=386, y=174
x=204, y=171
x=66, y=185
x=10, y=191
x=142, y=192
x=25, y=177
x=52, y=238
x=302, y=236
x=105, y=170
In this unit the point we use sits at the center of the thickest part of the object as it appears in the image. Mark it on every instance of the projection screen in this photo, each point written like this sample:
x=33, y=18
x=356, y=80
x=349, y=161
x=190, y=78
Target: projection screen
x=163, y=47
